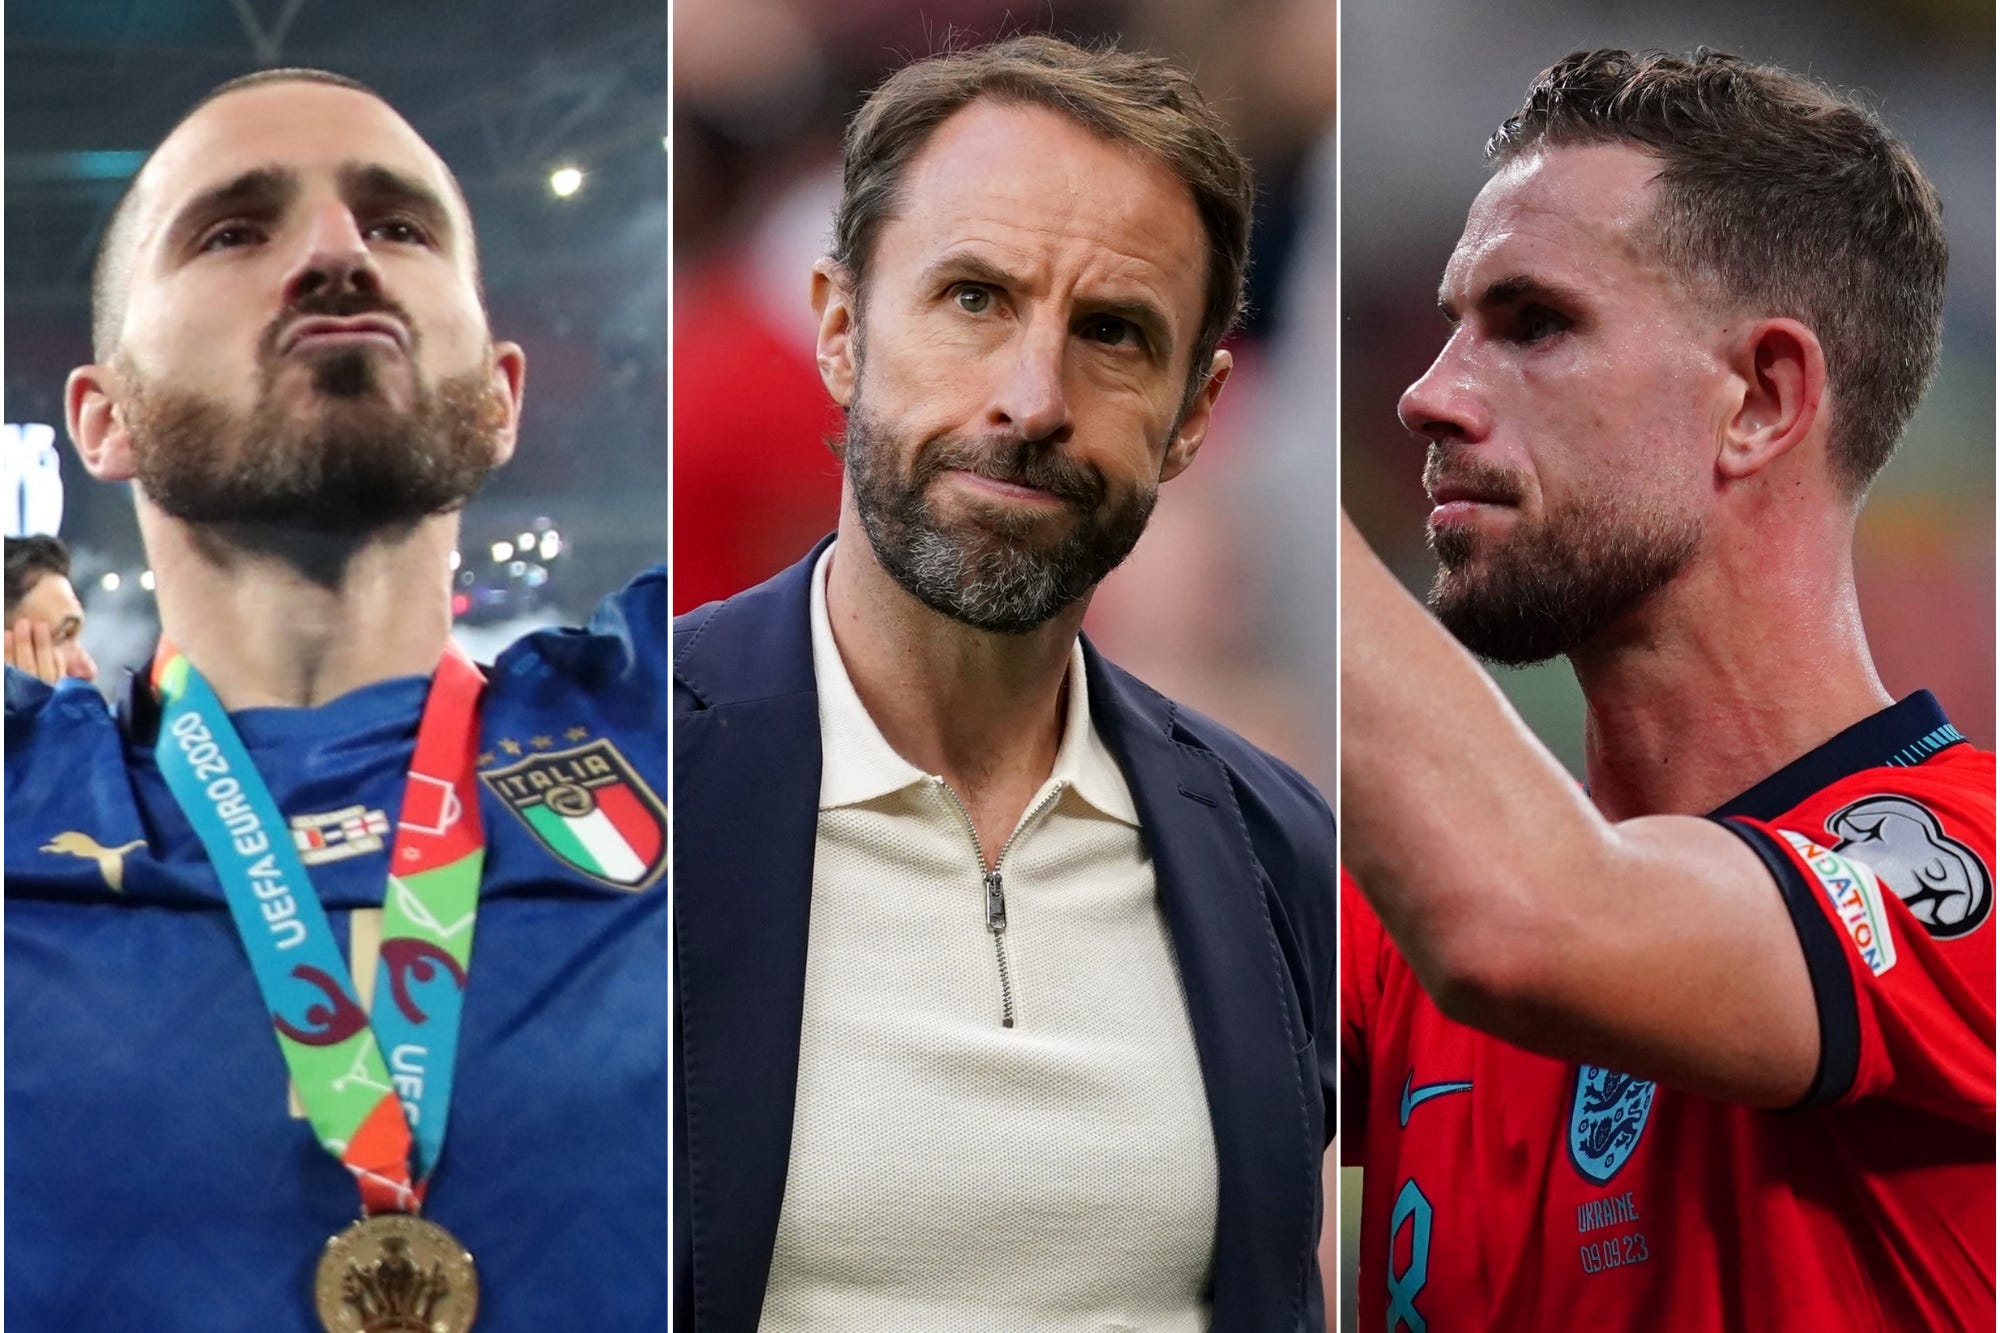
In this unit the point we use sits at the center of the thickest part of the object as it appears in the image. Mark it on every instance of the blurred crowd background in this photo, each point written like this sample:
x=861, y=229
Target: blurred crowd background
x=1228, y=603
x=1427, y=80
x=511, y=93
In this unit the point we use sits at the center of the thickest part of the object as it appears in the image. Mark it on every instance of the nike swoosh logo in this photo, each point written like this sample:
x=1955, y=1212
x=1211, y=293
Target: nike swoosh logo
x=1415, y=1097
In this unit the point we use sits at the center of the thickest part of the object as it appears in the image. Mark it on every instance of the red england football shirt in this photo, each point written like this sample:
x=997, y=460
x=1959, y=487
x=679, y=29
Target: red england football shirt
x=1508, y=1191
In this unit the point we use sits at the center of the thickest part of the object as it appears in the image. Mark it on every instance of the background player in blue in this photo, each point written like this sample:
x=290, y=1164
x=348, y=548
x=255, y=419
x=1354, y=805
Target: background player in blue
x=294, y=369
x=44, y=634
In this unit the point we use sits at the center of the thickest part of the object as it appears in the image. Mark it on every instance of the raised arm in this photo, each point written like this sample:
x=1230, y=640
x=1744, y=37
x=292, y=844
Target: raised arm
x=1660, y=946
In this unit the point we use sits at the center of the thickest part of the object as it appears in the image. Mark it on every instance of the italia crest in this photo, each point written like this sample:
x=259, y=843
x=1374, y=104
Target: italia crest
x=1606, y=1117
x=589, y=807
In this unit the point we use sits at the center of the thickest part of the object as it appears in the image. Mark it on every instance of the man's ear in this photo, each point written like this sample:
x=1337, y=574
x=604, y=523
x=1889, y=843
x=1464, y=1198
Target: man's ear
x=836, y=302
x=509, y=374
x=1780, y=373
x=96, y=420
x=1186, y=442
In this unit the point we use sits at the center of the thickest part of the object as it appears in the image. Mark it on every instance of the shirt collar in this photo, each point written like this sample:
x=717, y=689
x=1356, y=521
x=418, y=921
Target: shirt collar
x=857, y=764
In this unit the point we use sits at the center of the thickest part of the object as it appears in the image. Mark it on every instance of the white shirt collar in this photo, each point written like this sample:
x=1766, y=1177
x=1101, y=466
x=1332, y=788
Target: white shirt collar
x=857, y=764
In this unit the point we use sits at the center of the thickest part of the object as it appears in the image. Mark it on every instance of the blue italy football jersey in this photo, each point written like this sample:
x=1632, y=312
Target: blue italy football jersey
x=158, y=1174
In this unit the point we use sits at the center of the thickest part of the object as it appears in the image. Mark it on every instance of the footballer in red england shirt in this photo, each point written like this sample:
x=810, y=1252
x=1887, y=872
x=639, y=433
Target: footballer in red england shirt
x=1709, y=1043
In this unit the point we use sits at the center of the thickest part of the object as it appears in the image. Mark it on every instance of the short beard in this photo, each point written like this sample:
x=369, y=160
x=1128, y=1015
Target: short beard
x=989, y=572
x=358, y=466
x=1552, y=588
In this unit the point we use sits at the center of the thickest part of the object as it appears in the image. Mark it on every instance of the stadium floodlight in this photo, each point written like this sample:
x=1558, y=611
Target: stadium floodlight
x=110, y=582
x=146, y=580
x=456, y=559
x=502, y=551
x=565, y=181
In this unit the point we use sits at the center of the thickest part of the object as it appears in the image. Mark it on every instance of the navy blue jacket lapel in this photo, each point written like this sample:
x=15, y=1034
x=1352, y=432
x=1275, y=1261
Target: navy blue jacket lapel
x=746, y=804
x=1256, y=1061
x=745, y=812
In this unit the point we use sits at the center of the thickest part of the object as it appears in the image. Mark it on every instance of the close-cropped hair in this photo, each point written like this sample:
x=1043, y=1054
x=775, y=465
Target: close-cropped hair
x=29, y=561
x=1142, y=101
x=1777, y=197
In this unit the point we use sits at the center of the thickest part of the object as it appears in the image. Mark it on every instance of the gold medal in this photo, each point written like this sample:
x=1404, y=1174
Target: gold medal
x=396, y=1273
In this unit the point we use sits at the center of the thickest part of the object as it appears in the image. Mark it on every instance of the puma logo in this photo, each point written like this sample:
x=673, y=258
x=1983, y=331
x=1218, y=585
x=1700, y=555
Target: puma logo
x=110, y=860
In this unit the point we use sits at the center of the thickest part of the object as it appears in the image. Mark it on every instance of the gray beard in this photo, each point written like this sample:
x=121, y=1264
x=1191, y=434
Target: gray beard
x=995, y=573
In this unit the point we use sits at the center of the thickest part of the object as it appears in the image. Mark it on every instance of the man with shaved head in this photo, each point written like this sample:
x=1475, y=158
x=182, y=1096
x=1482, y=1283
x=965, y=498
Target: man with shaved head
x=259, y=1074
x=1708, y=1044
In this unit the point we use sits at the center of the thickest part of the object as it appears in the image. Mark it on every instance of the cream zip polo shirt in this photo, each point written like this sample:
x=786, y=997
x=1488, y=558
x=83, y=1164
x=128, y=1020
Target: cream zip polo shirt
x=948, y=1171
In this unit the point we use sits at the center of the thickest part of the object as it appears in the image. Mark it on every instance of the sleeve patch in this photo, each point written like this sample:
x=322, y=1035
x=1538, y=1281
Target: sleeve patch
x=1856, y=898
x=1940, y=879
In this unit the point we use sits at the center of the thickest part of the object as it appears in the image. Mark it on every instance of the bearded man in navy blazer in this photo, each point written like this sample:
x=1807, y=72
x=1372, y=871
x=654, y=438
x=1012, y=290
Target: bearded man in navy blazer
x=1004, y=985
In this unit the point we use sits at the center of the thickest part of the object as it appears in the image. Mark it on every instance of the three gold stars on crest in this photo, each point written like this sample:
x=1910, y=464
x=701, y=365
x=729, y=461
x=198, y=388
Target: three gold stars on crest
x=513, y=747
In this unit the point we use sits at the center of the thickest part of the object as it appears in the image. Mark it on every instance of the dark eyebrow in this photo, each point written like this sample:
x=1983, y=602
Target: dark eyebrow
x=260, y=190
x=380, y=186
x=265, y=192
x=1512, y=290
x=960, y=266
x=963, y=267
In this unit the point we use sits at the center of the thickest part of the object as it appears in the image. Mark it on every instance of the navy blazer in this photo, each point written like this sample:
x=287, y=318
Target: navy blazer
x=1243, y=852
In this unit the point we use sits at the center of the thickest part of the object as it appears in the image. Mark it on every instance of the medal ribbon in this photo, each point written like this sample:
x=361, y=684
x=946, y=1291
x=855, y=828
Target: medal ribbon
x=384, y=1120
